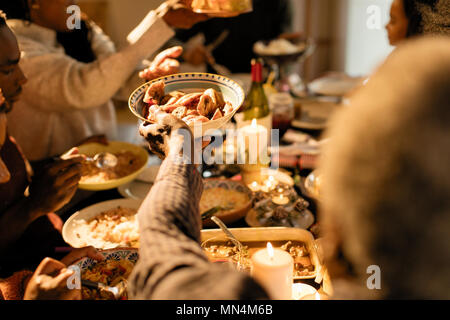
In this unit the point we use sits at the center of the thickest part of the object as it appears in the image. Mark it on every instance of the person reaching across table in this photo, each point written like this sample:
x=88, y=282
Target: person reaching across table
x=171, y=263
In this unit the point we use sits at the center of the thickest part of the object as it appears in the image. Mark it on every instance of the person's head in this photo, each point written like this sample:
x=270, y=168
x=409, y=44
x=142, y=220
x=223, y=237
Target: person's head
x=52, y=14
x=409, y=18
x=11, y=76
x=386, y=172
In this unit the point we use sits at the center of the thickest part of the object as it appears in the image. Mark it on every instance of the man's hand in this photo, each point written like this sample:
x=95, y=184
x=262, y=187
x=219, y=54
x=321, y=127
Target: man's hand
x=164, y=135
x=163, y=64
x=49, y=282
x=54, y=186
x=183, y=17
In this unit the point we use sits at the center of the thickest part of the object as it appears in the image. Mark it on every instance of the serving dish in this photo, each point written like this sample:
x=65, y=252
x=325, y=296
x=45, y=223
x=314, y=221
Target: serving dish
x=258, y=238
x=211, y=200
x=71, y=231
x=118, y=254
x=188, y=83
x=222, y=8
x=91, y=149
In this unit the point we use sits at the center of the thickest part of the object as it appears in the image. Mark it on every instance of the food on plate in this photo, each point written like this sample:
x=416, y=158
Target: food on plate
x=222, y=5
x=109, y=272
x=278, y=47
x=111, y=228
x=195, y=107
x=227, y=251
x=220, y=201
x=127, y=163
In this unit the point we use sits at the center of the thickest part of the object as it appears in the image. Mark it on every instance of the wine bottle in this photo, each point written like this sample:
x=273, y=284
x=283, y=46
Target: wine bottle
x=256, y=105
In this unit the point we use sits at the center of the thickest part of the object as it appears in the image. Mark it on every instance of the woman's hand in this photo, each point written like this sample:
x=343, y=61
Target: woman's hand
x=77, y=254
x=49, y=282
x=163, y=64
x=54, y=186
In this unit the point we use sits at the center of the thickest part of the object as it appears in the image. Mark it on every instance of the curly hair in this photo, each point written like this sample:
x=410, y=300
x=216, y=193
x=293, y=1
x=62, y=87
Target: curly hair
x=77, y=43
x=427, y=16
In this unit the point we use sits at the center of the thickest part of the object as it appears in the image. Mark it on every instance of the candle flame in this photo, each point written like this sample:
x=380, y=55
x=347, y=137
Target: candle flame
x=270, y=250
x=317, y=296
x=254, y=123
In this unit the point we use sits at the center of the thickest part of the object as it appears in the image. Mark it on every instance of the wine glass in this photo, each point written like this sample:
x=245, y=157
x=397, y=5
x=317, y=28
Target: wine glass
x=283, y=112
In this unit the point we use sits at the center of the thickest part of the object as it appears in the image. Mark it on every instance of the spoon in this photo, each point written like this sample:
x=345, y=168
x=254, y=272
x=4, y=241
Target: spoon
x=227, y=232
x=103, y=160
x=117, y=291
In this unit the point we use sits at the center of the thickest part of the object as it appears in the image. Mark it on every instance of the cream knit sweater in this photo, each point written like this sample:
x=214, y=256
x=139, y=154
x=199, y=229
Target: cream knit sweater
x=65, y=101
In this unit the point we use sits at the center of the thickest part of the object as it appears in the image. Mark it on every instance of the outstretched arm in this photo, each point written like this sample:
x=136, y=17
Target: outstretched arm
x=172, y=264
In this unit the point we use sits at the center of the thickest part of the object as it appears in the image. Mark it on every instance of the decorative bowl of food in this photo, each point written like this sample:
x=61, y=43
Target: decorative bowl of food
x=113, y=272
x=222, y=8
x=105, y=225
x=283, y=50
x=131, y=161
x=281, y=207
x=204, y=101
x=228, y=200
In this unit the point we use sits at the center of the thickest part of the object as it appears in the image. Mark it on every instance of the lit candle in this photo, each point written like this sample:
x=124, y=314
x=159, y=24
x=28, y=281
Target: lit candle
x=255, y=137
x=254, y=186
x=280, y=199
x=273, y=269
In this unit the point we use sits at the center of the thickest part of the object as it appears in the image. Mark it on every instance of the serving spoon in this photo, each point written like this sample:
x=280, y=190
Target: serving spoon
x=103, y=160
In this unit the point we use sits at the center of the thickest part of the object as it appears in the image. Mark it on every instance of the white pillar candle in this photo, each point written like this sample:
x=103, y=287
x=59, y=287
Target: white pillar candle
x=254, y=138
x=273, y=269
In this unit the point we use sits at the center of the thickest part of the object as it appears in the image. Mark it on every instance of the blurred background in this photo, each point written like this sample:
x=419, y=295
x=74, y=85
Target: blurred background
x=339, y=28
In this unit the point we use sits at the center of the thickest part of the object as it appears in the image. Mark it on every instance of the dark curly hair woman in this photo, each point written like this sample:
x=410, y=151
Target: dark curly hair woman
x=411, y=18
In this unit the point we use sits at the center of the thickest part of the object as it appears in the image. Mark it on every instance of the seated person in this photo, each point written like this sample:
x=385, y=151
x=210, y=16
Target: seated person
x=268, y=20
x=386, y=182
x=411, y=18
x=171, y=263
x=73, y=74
x=28, y=228
x=49, y=280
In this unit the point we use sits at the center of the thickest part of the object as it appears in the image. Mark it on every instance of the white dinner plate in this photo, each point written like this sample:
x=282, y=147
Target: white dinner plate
x=334, y=84
x=136, y=189
x=69, y=229
x=315, y=113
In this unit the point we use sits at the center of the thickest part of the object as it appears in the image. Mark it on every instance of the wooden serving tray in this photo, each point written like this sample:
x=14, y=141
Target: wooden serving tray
x=271, y=234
